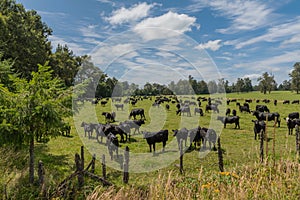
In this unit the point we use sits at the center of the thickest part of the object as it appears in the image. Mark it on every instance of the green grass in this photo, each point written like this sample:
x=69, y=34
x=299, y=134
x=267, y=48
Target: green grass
x=239, y=145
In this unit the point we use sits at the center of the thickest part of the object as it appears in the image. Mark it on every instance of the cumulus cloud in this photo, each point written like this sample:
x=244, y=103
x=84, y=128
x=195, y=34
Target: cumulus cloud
x=128, y=15
x=165, y=26
x=213, y=45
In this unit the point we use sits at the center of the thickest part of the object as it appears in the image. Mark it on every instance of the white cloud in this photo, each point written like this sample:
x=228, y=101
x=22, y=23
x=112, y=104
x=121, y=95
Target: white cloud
x=244, y=14
x=273, y=63
x=213, y=45
x=165, y=26
x=288, y=30
x=127, y=15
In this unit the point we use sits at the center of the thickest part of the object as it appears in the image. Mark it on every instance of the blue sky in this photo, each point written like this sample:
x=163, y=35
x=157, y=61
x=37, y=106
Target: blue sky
x=161, y=41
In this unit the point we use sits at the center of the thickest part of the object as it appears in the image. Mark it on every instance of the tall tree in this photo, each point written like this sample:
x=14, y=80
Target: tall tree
x=239, y=85
x=65, y=64
x=247, y=85
x=37, y=110
x=267, y=83
x=23, y=37
x=295, y=75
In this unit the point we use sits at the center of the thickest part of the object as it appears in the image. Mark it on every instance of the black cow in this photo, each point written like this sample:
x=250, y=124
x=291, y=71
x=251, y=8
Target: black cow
x=181, y=134
x=100, y=131
x=198, y=110
x=230, y=120
x=291, y=124
x=210, y=136
x=167, y=106
x=270, y=116
x=119, y=106
x=295, y=101
x=248, y=100
x=103, y=103
x=65, y=129
x=234, y=112
x=244, y=109
x=293, y=115
x=185, y=109
x=137, y=111
x=259, y=128
x=227, y=111
x=109, y=117
x=262, y=108
x=88, y=129
x=275, y=102
x=115, y=129
x=112, y=144
x=286, y=101
x=156, y=137
x=195, y=136
x=212, y=107
x=136, y=124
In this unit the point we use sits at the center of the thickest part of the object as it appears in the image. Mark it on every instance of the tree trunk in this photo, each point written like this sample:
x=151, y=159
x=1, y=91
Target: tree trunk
x=31, y=160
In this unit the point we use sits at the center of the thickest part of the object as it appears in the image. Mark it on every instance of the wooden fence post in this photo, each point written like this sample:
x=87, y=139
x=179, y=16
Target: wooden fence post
x=181, y=157
x=41, y=174
x=297, y=140
x=262, y=147
x=103, y=167
x=220, y=156
x=82, y=157
x=79, y=169
x=274, y=140
x=126, y=165
x=93, y=163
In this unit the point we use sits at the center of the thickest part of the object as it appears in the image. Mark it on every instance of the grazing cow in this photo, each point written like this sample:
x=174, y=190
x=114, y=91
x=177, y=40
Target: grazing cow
x=244, y=109
x=210, y=136
x=262, y=108
x=248, y=100
x=136, y=124
x=295, y=101
x=228, y=111
x=178, y=106
x=266, y=100
x=181, y=134
x=275, y=102
x=270, y=116
x=121, y=106
x=293, y=115
x=194, y=135
x=212, y=107
x=230, y=120
x=133, y=102
x=234, y=112
x=103, y=103
x=112, y=144
x=291, y=124
x=167, y=106
x=257, y=101
x=65, y=129
x=246, y=105
x=137, y=111
x=198, y=110
x=100, y=131
x=185, y=109
x=88, y=129
x=115, y=129
x=259, y=128
x=156, y=137
x=286, y=101
x=109, y=117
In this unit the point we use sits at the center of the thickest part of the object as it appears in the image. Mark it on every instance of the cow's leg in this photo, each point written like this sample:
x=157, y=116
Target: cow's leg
x=150, y=146
x=164, y=144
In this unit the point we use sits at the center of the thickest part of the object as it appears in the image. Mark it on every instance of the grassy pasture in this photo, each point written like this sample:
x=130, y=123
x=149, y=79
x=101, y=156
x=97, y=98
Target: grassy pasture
x=239, y=145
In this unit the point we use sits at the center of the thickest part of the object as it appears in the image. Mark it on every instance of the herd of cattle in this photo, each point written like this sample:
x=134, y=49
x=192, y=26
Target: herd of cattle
x=198, y=135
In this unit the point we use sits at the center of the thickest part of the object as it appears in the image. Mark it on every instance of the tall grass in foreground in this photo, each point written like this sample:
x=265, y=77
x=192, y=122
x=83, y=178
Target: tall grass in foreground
x=258, y=181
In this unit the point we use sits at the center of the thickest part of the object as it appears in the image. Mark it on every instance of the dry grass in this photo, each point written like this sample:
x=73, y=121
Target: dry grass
x=259, y=181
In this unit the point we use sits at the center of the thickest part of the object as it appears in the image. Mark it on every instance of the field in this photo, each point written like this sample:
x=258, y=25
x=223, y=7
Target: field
x=158, y=176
